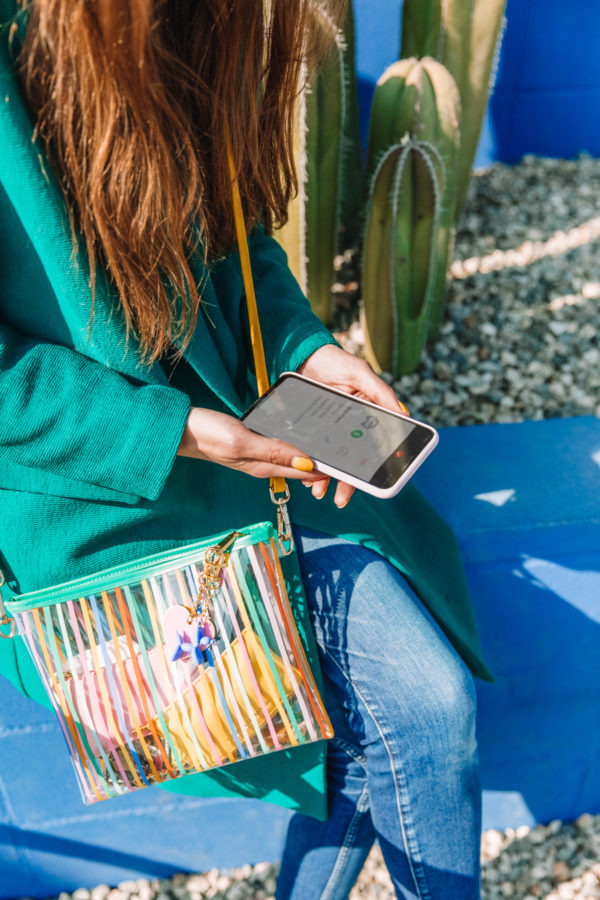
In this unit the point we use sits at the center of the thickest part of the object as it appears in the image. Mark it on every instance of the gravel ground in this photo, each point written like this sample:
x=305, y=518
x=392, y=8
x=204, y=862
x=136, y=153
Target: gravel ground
x=520, y=341
x=558, y=861
x=521, y=334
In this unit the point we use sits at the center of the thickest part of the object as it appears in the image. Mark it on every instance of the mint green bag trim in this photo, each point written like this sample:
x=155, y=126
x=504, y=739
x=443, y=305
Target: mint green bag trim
x=247, y=592
x=150, y=676
x=139, y=569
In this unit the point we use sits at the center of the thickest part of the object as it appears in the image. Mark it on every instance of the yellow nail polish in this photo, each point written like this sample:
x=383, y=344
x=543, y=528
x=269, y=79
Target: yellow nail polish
x=303, y=464
x=403, y=408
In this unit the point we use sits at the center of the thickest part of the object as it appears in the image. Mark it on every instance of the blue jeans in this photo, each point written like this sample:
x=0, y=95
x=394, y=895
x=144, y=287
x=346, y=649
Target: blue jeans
x=403, y=765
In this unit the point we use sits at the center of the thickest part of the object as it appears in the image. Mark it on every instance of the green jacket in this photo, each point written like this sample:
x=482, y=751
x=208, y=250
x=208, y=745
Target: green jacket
x=89, y=475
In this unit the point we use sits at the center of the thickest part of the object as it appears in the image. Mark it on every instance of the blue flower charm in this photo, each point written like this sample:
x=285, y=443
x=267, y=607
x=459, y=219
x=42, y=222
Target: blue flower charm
x=184, y=638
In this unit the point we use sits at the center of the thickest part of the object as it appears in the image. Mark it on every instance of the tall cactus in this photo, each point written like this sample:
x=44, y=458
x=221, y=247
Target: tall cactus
x=464, y=36
x=411, y=159
x=327, y=152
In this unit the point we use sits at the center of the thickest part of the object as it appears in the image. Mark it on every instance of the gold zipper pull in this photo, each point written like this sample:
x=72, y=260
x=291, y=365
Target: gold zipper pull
x=215, y=560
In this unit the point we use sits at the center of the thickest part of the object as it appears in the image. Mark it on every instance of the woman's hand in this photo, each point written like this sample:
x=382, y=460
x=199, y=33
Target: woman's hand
x=223, y=439
x=332, y=366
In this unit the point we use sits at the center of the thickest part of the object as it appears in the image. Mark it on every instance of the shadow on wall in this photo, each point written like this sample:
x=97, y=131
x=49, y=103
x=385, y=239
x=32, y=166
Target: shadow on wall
x=524, y=501
x=539, y=724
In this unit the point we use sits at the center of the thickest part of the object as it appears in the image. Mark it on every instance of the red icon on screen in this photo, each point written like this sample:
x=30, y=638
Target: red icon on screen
x=399, y=453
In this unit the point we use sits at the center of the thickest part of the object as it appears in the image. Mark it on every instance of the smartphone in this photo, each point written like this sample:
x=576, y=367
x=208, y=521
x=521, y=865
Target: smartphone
x=351, y=439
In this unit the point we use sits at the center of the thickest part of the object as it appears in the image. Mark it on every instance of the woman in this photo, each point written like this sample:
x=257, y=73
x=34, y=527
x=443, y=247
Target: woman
x=124, y=367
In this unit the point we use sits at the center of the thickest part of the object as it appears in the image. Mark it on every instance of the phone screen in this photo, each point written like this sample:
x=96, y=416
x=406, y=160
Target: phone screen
x=363, y=441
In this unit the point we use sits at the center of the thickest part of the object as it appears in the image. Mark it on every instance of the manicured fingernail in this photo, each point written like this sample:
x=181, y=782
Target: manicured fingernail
x=303, y=463
x=342, y=505
x=403, y=408
x=318, y=495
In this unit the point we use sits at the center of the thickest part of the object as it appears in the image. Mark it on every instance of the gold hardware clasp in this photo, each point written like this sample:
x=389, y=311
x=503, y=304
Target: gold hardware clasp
x=285, y=538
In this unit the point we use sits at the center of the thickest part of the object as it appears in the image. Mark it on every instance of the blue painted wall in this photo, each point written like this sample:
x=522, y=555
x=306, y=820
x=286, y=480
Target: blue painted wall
x=377, y=46
x=547, y=96
x=547, y=92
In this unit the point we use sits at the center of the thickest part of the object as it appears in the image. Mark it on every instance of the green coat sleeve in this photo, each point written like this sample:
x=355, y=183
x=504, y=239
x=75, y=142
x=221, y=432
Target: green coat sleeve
x=66, y=418
x=291, y=331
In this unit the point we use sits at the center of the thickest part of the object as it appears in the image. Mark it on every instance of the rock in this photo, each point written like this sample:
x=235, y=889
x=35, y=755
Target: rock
x=560, y=871
x=100, y=892
x=488, y=329
x=199, y=884
x=442, y=371
x=479, y=386
x=145, y=892
x=450, y=399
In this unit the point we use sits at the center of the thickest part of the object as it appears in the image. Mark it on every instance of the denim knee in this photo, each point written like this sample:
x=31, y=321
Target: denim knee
x=449, y=703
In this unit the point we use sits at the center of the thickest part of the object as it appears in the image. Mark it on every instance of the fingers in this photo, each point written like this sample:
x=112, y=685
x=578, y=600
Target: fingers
x=334, y=366
x=343, y=492
x=359, y=377
x=267, y=457
x=319, y=488
x=374, y=388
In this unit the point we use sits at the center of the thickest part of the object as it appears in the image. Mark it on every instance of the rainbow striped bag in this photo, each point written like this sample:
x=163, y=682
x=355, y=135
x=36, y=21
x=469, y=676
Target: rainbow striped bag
x=180, y=662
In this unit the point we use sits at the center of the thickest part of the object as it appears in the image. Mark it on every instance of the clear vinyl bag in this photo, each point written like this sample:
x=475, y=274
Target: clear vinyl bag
x=181, y=662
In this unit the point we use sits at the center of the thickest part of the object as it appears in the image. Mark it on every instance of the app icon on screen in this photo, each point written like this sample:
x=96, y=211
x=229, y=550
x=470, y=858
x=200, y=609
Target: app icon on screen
x=370, y=422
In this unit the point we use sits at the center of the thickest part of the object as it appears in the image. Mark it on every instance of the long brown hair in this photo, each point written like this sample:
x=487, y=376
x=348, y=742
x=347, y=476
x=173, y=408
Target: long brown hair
x=133, y=100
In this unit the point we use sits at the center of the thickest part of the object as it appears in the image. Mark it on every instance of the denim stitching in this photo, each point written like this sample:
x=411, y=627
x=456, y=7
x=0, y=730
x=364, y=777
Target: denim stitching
x=361, y=807
x=350, y=750
x=405, y=826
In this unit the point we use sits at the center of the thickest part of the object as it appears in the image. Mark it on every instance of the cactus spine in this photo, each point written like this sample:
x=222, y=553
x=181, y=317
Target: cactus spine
x=413, y=141
x=327, y=153
x=464, y=36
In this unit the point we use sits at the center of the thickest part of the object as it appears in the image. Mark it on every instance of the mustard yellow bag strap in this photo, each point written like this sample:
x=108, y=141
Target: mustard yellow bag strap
x=258, y=350
x=279, y=490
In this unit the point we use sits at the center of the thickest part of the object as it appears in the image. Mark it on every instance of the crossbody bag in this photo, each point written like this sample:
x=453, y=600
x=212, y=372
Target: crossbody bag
x=183, y=661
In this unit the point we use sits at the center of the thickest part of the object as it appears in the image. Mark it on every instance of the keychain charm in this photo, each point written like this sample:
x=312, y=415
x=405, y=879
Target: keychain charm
x=189, y=630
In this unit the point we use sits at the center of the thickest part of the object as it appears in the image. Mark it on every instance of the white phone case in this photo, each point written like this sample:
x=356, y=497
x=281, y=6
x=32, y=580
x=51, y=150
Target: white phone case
x=359, y=482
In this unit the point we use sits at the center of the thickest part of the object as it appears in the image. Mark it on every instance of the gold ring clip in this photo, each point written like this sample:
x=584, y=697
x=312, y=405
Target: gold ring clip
x=285, y=538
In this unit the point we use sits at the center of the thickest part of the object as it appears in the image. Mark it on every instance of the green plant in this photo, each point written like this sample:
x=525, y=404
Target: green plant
x=411, y=160
x=464, y=36
x=420, y=155
x=328, y=157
